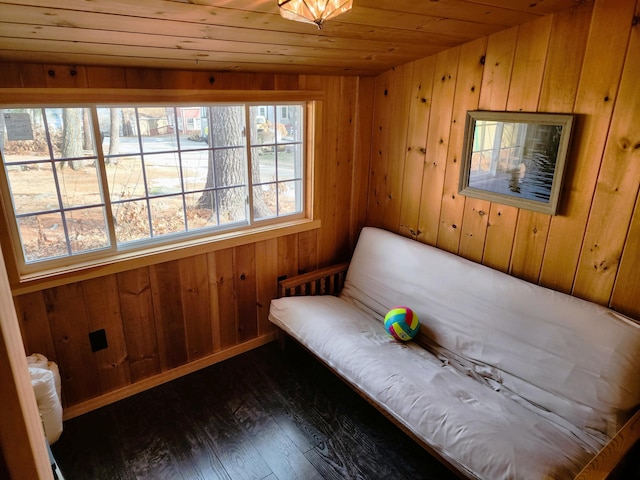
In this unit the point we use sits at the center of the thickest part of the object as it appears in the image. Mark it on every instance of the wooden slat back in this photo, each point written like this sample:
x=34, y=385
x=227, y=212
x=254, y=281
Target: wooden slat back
x=325, y=281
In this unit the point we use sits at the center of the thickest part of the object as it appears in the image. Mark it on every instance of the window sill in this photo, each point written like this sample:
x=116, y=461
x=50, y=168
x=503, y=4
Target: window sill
x=154, y=255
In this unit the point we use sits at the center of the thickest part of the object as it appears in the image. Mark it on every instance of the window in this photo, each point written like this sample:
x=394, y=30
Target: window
x=497, y=145
x=156, y=174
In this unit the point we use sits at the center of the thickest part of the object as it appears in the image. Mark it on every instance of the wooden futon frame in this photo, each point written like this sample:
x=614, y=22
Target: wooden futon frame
x=330, y=280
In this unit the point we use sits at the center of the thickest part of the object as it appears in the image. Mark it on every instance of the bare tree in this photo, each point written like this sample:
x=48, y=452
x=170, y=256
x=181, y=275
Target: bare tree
x=226, y=165
x=114, y=131
x=129, y=117
x=260, y=208
x=72, y=137
x=86, y=126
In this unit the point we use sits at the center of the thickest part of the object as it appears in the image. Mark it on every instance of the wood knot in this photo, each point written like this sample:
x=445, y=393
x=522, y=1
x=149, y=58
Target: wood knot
x=601, y=267
x=624, y=143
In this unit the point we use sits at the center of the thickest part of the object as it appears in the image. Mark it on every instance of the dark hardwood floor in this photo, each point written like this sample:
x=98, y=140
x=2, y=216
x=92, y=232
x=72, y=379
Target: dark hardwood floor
x=266, y=414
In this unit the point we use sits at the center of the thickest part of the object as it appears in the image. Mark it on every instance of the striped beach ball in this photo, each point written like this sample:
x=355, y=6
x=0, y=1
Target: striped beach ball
x=402, y=323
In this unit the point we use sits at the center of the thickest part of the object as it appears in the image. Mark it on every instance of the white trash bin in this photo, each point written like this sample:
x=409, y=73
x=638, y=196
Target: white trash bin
x=45, y=380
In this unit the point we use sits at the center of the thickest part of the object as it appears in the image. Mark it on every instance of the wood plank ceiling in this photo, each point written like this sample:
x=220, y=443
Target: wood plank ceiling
x=250, y=35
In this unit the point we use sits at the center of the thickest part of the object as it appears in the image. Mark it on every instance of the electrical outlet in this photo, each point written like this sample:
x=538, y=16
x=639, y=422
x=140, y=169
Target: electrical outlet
x=98, y=340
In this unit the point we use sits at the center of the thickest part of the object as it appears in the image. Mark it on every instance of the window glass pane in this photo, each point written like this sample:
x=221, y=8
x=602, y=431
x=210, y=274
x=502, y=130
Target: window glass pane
x=230, y=167
x=227, y=126
x=290, y=162
x=33, y=188
x=55, y=121
x=167, y=215
x=126, y=180
x=157, y=129
x=277, y=156
x=87, y=229
x=118, y=132
x=265, y=201
x=131, y=221
x=263, y=165
x=195, y=166
x=79, y=187
x=262, y=122
x=25, y=137
x=42, y=236
x=290, y=119
x=289, y=198
x=201, y=211
x=129, y=129
x=193, y=127
x=163, y=173
x=232, y=203
x=71, y=134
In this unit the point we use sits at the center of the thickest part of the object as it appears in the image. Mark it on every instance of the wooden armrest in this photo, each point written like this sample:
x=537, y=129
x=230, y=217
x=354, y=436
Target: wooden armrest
x=325, y=281
x=601, y=466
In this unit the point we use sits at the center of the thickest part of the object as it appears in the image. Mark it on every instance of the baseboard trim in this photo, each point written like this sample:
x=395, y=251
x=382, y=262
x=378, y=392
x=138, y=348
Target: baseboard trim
x=164, y=377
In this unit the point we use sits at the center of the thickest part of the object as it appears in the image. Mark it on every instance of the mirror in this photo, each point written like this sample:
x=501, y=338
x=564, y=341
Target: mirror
x=515, y=158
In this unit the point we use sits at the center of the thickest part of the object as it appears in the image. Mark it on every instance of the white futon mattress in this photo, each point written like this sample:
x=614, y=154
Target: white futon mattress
x=493, y=437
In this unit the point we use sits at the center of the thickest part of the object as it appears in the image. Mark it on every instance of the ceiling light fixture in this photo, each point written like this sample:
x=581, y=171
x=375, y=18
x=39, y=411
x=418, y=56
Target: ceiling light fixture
x=313, y=11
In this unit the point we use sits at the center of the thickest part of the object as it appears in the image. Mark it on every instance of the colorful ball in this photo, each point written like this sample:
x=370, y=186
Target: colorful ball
x=402, y=323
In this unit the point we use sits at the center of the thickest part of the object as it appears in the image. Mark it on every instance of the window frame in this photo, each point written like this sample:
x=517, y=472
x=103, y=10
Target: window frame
x=174, y=246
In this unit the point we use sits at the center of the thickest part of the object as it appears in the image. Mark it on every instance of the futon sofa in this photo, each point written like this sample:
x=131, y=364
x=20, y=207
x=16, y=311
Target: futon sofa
x=506, y=379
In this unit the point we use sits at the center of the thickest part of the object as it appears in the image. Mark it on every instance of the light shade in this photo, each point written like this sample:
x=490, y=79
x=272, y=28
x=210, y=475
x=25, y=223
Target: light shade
x=313, y=11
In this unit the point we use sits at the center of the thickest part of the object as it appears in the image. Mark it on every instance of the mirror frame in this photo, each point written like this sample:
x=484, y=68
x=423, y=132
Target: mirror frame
x=515, y=198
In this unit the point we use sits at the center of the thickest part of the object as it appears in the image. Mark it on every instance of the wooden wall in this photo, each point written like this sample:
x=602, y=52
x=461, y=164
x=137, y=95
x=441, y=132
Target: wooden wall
x=168, y=315
x=23, y=451
x=389, y=156
x=586, y=61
